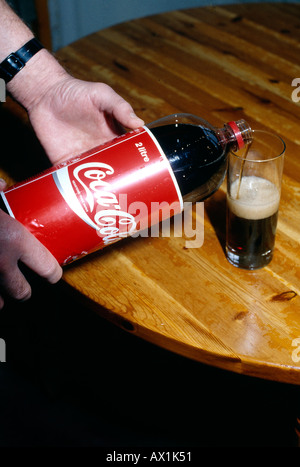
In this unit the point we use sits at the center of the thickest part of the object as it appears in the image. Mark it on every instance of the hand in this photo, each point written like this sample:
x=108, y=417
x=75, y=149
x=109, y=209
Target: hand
x=17, y=244
x=73, y=116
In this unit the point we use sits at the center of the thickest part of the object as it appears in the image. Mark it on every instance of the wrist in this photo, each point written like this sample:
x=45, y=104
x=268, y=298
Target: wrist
x=39, y=74
x=41, y=70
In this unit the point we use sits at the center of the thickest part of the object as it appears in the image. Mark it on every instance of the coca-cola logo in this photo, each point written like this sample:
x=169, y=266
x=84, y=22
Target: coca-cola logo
x=102, y=202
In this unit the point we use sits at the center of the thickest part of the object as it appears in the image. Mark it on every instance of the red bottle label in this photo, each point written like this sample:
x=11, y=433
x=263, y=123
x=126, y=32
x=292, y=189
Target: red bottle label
x=96, y=199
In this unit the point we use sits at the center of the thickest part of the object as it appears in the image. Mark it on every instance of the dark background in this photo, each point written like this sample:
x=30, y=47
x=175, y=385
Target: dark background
x=74, y=379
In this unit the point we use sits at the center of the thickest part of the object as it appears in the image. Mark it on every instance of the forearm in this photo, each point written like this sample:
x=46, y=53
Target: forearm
x=41, y=71
x=13, y=32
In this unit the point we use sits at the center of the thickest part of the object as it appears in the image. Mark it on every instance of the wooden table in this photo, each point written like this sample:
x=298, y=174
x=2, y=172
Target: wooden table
x=221, y=63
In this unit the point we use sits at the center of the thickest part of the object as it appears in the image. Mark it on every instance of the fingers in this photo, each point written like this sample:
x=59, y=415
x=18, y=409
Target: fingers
x=15, y=284
x=17, y=244
x=36, y=256
x=3, y=184
x=109, y=101
x=123, y=112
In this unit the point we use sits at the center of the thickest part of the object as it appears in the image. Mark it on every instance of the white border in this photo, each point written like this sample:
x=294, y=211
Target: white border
x=7, y=205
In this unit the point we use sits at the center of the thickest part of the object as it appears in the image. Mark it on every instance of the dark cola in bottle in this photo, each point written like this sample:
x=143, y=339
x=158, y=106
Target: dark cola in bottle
x=110, y=191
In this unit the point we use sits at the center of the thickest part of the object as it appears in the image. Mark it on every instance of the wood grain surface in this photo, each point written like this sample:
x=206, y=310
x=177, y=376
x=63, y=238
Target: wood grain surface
x=221, y=63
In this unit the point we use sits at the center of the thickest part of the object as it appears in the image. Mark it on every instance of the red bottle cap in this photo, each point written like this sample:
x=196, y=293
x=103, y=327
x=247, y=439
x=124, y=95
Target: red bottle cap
x=237, y=134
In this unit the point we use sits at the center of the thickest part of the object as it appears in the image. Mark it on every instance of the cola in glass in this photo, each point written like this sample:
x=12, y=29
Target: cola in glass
x=251, y=222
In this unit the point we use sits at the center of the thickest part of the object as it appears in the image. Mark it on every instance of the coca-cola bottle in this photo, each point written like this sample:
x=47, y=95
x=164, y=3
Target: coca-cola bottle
x=116, y=189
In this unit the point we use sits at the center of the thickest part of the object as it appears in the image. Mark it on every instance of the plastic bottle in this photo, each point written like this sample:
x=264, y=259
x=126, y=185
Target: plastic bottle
x=115, y=189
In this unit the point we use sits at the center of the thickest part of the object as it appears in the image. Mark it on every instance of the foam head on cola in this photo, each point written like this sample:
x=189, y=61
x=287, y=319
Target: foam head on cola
x=94, y=199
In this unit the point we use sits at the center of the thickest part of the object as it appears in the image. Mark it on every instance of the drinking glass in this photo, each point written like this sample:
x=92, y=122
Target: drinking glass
x=253, y=194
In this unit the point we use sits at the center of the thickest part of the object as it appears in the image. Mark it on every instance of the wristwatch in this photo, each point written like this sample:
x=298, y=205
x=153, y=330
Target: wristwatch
x=15, y=61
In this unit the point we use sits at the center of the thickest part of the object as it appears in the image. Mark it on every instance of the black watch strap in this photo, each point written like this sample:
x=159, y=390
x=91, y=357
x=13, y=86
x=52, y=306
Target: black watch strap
x=17, y=60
